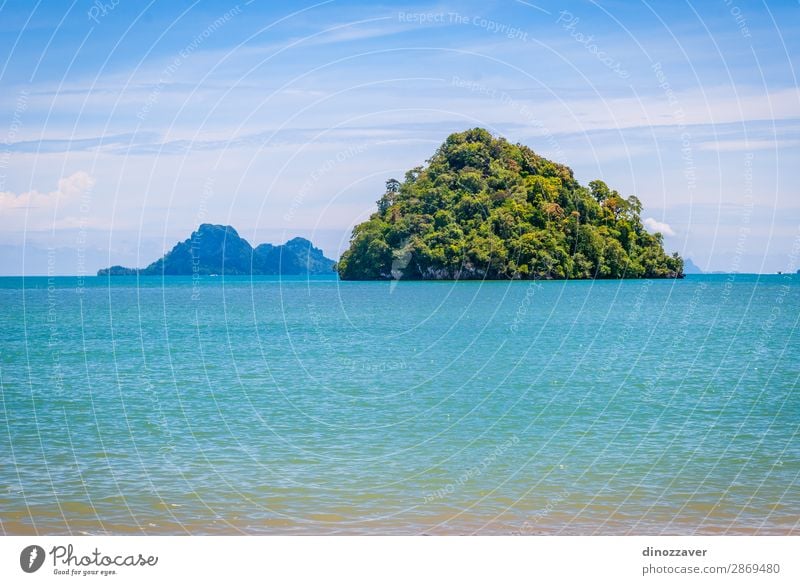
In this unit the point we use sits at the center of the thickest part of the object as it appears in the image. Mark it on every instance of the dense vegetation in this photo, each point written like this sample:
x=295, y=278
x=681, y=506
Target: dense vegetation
x=218, y=249
x=485, y=208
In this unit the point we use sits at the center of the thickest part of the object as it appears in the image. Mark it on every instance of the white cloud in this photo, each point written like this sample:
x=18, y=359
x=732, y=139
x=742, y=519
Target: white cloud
x=38, y=210
x=747, y=145
x=658, y=226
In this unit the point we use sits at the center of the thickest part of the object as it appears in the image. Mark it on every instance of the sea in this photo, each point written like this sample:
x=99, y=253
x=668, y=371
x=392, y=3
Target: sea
x=297, y=405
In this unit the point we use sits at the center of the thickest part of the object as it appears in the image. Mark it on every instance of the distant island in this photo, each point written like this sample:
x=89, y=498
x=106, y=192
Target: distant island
x=218, y=249
x=483, y=208
x=690, y=267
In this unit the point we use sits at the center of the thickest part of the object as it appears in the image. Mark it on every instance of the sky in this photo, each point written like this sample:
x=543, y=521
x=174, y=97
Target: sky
x=124, y=125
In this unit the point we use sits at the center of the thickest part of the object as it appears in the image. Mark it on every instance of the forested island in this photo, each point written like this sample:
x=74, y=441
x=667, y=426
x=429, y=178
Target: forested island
x=218, y=249
x=483, y=208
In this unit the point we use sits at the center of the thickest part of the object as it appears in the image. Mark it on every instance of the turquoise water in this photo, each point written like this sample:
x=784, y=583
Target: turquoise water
x=230, y=405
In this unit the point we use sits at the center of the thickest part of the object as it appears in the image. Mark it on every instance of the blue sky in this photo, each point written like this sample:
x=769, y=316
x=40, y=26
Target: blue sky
x=123, y=125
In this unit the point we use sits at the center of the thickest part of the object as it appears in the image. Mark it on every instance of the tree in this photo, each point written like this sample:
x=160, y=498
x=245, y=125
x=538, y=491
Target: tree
x=599, y=190
x=388, y=198
x=634, y=205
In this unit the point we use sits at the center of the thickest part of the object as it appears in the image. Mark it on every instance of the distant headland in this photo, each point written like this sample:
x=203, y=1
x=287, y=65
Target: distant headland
x=689, y=267
x=218, y=249
x=483, y=208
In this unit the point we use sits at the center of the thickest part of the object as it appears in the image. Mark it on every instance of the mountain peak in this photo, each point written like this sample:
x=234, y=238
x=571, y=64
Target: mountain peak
x=207, y=228
x=298, y=241
x=218, y=249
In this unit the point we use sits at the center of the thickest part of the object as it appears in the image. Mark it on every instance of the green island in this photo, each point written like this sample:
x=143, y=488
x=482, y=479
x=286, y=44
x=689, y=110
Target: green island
x=483, y=208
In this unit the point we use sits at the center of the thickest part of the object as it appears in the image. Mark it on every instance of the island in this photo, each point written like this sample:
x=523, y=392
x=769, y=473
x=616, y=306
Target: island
x=690, y=267
x=483, y=208
x=218, y=249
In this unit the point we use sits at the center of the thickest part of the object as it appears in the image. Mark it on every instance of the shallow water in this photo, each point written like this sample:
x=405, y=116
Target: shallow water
x=270, y=405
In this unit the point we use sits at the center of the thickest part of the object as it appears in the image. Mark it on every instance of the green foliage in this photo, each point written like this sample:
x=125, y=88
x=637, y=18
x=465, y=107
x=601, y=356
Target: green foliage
x=485, y=208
